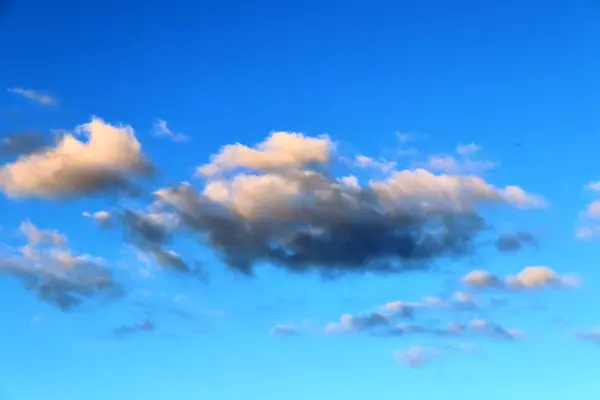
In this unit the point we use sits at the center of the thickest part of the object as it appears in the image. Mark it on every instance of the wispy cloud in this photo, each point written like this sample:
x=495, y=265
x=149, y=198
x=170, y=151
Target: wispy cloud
x=162, y=130
x=34, y=96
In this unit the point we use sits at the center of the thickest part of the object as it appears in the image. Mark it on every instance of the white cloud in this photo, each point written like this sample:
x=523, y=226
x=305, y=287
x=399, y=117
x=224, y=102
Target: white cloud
x=529, y=277
x=107, y=160
x=281, y=150
x=468, y=149
x=380, y=164
x=34, y=96
x=161, y=129
x=480, y=278
x=101, y=217
x=538, y=276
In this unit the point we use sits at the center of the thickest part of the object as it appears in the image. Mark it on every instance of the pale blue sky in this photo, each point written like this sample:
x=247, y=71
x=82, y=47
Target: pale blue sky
x=399, y=81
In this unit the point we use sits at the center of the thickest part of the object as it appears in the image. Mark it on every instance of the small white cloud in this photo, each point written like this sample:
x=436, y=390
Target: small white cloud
x=161, y=129
x=101, y=217
x=480, y=278
x=468, y=149
x=538, y=276
x=34, y=96
x=380, y=164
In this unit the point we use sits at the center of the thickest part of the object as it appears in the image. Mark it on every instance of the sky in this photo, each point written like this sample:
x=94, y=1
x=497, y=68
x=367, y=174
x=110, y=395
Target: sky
x=301, y=200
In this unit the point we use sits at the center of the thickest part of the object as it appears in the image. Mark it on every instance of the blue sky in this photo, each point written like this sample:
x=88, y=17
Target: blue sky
x=414, y=117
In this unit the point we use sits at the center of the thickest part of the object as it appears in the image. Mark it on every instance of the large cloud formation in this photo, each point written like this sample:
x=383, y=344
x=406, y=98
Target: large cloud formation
x=107, y=160
x=276, y=203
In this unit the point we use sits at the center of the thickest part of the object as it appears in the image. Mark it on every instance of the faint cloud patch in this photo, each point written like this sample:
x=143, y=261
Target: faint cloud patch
x=162, y=130
x=34, y=95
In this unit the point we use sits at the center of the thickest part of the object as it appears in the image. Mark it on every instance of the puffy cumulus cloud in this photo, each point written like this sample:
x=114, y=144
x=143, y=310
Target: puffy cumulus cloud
x=480, y=278
x=49, y=269
x=289, y=213
x=107, y=160
x=538, y=276
x=510, y=242
x=281, y=150
x=529, y=277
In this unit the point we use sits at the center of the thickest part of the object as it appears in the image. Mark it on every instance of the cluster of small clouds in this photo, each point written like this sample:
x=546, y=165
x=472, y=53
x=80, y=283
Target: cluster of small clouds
x=465, y=160
x=529, y=277
x=400, y=318
x=276, y=202
x=589, y=219
x=47, y=267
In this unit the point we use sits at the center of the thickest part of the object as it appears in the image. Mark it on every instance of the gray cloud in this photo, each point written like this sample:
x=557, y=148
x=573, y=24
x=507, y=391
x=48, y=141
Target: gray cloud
x=592, y=336
x=49, y=269
x=511, y=242
x=126, y=331
x=284, y=330
x=416, y=356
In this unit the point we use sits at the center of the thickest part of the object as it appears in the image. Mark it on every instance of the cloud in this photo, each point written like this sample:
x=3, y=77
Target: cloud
x=108, y=160
x=37, y=236
x=162, y=130
x=34, y=96
x=468, y=149
x=357, y=323
x=125, y=331
x=290, y=213
x=281, y=150
x=589, y=219
x=480, y=278
x=494, y=330
x=416, y=356
x=284, y=330
x=538, y=276
x=511, y=242
x=465, y=163
x=22, y=143
x=380, y=164
x=49, y=269
x=102, y=218
x=529, y=278
x=400, y=309
x=592, y=336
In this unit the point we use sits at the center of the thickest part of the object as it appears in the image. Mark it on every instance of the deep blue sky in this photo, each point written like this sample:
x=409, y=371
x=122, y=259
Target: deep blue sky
x=519, y=78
